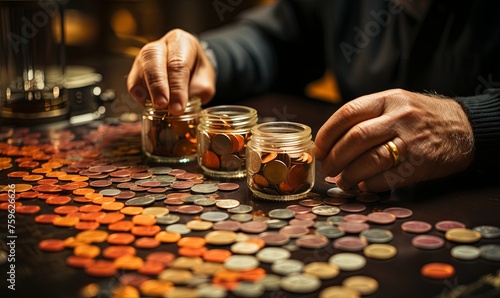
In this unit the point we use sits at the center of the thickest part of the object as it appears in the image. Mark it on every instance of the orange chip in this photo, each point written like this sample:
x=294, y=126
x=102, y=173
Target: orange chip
x=145, y=230
x=131, y=210
x=41, y=170
x=32, y=177
x=71, y=242
x=90, y=208
x=146, y=242
x=156, y=288
x=144, y=219
x=65, y=221
x=167, y=237
x=110, y=218
x=55, y=174
x=58, y=200
x=151, y=268
x=122, y=226
x=192, y=242
x=28, y=209
x=79, y=262
x=67, y=177
x=64, y=210
x=93, y=195
x=101, y=268
x=87, y=225
x=103, y=200
x=216, y=255
x=92, y=236
x=46, y=218
x=253, y=275
x=186, y=251
x=87, y=251
x=116, y=251
x=112, y=206
x=438, y=270
x=52, y=245
x=83, y=191
x=120, y=238
x=128, y=263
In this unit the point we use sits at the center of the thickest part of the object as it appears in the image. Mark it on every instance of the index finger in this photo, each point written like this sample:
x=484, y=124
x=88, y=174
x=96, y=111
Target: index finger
x=350, y=114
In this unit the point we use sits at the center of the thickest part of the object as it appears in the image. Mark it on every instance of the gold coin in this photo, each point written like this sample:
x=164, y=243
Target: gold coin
x=380, y=251
x=87, y=251
x=322, y=270
x=92, y=236
x=125, y=292
x=275, y=171
x=365, y=285
x=186, y=263
x=128, y=262
x=176, y=276
x=462, y=235
x=19, y=187
x=220, y=237
x=155, y=288
x=199, y=225
x=338, y=291
x=183, y=292
x=155, y=211
x=32, y=177
x=65, y=221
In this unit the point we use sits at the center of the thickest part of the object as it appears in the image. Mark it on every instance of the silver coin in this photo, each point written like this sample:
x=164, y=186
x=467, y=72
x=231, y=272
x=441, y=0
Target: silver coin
x=281, y=213
x=249, y=289
x=465, y=252
x=178, y=228
x=140, y=201
x=241, y=263
x=211, y=291
x=335, y=220
x=376, y=235
x=336, y=192
x=156, y=196
x=204, y=188
x=319, y=224
x=205, y=201
x=242, y=208
x=287, y=266
x=490, y=252
x=488, y=231
x=331, y=232
x=242, y=217
x=167, y=219
x=276, y=223
x=214, y=216
x=192, y=198
x=300, y=283
x=110, y=192
x=272, y=254
x=291, y=246
x=160, y=170
x=271, y=282
x=227, y=203
x=167, y=179
x=325, y=210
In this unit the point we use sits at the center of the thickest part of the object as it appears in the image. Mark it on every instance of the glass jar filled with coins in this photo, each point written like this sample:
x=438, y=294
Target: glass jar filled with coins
x=280, y=161
x=171, y=138
x=222, y=136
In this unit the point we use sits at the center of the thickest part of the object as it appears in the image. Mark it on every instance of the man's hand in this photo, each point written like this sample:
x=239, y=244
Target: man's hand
x=171, y=70
x=433, y=136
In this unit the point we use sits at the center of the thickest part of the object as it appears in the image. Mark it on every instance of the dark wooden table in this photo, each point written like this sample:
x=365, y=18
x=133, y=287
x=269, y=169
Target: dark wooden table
x=471, y=198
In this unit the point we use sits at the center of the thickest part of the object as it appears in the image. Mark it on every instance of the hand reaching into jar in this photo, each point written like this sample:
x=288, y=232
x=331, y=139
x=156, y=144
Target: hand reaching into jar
x=395, y=138
x=171, y=70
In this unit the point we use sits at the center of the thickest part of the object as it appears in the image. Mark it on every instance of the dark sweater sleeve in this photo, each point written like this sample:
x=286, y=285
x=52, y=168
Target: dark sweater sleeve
x=265, y=49
x=484, y=115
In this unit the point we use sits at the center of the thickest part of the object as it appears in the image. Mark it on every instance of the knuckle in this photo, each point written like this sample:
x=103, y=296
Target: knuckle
x=360, y=133
x=351, y=109
x=378, y=157
x=177, y=64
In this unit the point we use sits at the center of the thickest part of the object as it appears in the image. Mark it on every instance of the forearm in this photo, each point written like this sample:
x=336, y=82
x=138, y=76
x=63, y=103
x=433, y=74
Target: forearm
x=483, y=112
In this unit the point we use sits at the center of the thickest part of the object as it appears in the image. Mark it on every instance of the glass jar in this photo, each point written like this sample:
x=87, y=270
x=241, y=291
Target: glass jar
x=222, y=136
x=280, y=161
x=171, y=138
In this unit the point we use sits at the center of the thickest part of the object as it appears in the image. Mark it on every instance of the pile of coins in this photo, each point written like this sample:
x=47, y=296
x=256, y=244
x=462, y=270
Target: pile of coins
x=165, y=138
x=280, y=173
x=223, y=151
x=199, y=237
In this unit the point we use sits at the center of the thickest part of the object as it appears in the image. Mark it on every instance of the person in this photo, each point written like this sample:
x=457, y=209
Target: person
x=418, y=78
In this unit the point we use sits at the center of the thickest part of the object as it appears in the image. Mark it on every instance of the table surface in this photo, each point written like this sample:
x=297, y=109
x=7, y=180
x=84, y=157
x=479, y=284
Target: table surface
x=471, y=198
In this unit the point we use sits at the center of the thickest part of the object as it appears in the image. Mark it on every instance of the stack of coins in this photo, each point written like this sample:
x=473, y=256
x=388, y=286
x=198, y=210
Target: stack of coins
x=169, y=138
x=222, y=136
x=280, y=173
x=280, y=160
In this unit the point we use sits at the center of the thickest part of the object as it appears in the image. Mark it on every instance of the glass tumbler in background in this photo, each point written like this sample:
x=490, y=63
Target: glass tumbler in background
x=32, y=61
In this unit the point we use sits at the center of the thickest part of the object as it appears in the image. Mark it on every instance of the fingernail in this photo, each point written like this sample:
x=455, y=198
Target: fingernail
x=161, y=102
x=176, y=107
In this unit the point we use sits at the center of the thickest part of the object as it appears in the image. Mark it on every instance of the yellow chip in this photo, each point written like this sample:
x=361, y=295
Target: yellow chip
x=87, y=251
x=380, y=251
x=462, y=235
